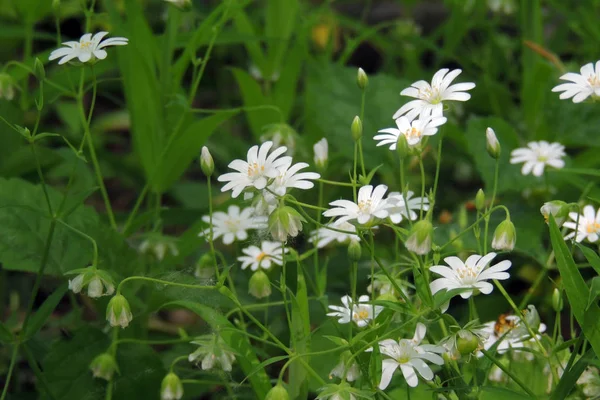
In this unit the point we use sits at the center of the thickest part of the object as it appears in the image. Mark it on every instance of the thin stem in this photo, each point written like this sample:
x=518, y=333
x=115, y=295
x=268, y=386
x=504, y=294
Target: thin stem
x=492, y=201
x=91, y=239
x=113, y=352
x=354, y=173
x=144, y=278
x=437, y=168
x=11, y=367
x=509, y=373
x=42, y=180
x=211, y=241
x=422, y=168
x=335, y=183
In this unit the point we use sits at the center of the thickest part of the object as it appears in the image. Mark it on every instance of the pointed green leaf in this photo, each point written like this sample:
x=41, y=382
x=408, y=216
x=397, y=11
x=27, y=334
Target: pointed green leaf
x=39, y=318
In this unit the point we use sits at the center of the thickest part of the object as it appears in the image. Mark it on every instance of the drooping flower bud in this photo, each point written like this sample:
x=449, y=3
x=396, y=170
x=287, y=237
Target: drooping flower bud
x=259, y=285
x=7, y=86
x=480, y=200
x=171, y=387
x=99, y=282
x=118, y=312
x=206, y=162
x=104, y=366
x=285, y=221
x=420, y=237
x=505, y=236
x=356, y=128
x=205, y=267
x=559, y=210
x=277, y=392
x=213, y=352
x=557, y=301
x=402, y=147
x=321, y=149
x=492, y=144
x=361, y=79
x=354, y=251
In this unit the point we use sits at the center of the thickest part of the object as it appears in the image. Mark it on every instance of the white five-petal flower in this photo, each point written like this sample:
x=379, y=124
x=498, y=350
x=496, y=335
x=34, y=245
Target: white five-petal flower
x=472, y=274
x=256, y=170
x=403, y=206
x=582, y=85
x=430, y=97
x=409, y=355
x=537, y=155
x=289, y=177
x=588, y=227
x=87, y=49
x=413, y=130
x=325, y=236
x=371, y=204
x=361, y=313
x=233, y=225
x=262, y=257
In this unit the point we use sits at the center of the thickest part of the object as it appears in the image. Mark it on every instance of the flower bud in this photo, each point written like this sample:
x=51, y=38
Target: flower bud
x=38, y=69
x=356, y=128
x=505, y=236
x=171, y=387
x=420, y=237
x=557, y=301
x=492, y=144
x=321, y=149
x=104, y=366
x=259, y=285
x=480, y=200
x=361, y=79
x=205, y=267
x=206, y=162
x=99, y=282
x=467, y=342
x=285, y=221
x=118, y=312
x=354, y=251
x=558, y=209
x=7, y=86
x=402, y=147
x=277, y=392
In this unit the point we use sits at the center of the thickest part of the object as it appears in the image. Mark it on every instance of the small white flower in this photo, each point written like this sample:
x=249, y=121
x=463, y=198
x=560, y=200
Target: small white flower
x=472, y=274
x=537, y=155
x=346, y=369
x=403, y=206
x=118, y=312
x=589, y=225
x=361, y=313
x=288, y=177
x=590, y=381
x=256, y=170
x=262, y=257
x=87, y=49
x=99, y=283
x=321, y=150
x=430, y=97
x=76, y=284
x=325, y=236
x=413, y=130
x=410, y=356
x=214, y=352
x=370, y=205
x=171, y=387
x=582, y=85
x=233, y=225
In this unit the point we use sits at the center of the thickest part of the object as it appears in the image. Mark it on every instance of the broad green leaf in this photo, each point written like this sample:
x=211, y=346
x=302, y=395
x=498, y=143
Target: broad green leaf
x=300, y=338
x=185, y=148
x=39, y=318
x=279, y=25
x=284, y=90
x=140, y=372
x=244, y=26
x=569, y=378
x=247, y=359
x=575, y=288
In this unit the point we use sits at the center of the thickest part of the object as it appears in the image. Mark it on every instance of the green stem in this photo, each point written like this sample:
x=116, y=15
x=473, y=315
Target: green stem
x=509, y=373
x=113, y=352
x=422, y=168
x=42, y=180
x=335, y=183
x=29, y=30
x=437, y=169
x=144, y=278
x=211, y=241
x=41, y=380
x=354, y=173
x=91, y=239
x=11, y=367
x=492, y=201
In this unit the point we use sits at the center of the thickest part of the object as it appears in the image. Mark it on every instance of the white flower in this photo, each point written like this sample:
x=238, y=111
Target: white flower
x=471, y=274
x=583, y=85
x=325, y=236
x=402, y=206
x=413, y=130
x=99, y=283
x=268, y=253
x=370, y=205
x=321, y=149
x=288, y=177
x=214, y=352
x=361, y=313
x=589, y=225
x=346, y=369
x=409, y=355
x=430, y=97
x=537, y=155
x=234, y=224
x=171, y=387
x=256, y=171
x=87, y=49
x=590, y=381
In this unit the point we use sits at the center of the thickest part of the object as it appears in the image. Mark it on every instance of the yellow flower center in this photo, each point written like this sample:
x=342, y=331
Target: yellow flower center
x=254, y=170
x=593, y=80
x=467, y=273
x=364, y=205
x=414, y=133
x=261, y=256
x=85, y=45
x=361, y=314
x=594, y=227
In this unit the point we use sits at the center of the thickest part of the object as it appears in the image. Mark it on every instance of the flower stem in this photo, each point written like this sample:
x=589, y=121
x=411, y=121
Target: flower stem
x=422, y=169
x=160, y=281
x=509, y=373
x=211, y=241
x=492, y=201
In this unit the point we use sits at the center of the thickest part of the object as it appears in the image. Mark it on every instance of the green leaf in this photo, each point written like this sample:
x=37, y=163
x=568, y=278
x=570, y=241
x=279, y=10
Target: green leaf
x=247, y=358
x=300, y=337
x=185, y=148
x=140, y=372
x=285, y=89
x=591, y=256
x=5, y=335
x=500, y=393
x=594, y=291
x=575, y=288
x=279, y=25
x=244, y=26
x=40, y=317
x=569, y=378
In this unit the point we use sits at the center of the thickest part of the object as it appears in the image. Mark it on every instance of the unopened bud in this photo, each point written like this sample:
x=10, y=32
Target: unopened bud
x=492, y=144
x=420, y=237
x=354, y=251
x=206, y=162
x=321, y=149
x=38, y=69
x=104, y=366
x=277, y=392
x=466, y=342
x=557, y=300
x=259, y=285
x=356, y=129
x=361, y=79
x=505, y=236
x=559, y=210
x=480, y=200
x=285, y=221
x=7, y=86
x=205, y=267
x=402, y=147
x=118, y=312
x=171, y=387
